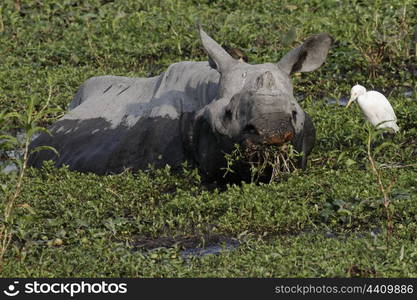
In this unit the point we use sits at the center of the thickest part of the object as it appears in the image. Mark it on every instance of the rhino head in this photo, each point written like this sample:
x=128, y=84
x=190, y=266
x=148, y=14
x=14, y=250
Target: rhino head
x=255, y=104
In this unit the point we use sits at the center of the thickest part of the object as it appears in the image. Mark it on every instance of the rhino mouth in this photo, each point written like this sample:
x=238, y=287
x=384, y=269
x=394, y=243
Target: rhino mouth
x=269, y=160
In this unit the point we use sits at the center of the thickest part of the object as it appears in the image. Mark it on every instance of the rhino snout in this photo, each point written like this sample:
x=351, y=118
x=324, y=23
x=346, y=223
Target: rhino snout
x=269, y=130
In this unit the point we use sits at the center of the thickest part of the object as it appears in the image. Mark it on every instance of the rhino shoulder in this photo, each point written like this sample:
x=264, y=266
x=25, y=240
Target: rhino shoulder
x=96, y=85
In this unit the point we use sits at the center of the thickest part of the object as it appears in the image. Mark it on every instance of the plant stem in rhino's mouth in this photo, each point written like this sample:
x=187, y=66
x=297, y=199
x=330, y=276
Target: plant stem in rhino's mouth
x=266, y=162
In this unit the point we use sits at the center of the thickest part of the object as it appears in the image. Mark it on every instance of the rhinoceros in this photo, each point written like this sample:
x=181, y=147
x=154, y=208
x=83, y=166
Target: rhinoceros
x=193, y=112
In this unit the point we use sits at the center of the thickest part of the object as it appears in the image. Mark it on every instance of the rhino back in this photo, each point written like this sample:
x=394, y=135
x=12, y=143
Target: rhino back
x=117, y=122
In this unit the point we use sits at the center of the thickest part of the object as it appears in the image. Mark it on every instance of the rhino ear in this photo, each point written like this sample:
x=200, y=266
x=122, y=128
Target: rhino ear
x=219, y=58
x=307, y=57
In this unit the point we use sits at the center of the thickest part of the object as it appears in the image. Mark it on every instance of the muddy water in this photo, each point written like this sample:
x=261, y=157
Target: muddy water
x=6, y=165
x=215, y=249
x=192, y=246
x=6, y=157
x=342, y=101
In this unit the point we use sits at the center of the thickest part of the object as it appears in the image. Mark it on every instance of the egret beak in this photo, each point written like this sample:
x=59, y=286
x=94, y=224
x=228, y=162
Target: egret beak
x=350, y=102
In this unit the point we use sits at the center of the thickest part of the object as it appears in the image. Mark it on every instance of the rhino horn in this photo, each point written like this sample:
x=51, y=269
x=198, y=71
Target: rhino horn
x=307, y=57
x=218, y=55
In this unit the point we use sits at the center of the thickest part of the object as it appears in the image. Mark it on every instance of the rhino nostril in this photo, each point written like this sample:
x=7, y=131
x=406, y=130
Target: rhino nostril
x=228, y=114
x=250, y=129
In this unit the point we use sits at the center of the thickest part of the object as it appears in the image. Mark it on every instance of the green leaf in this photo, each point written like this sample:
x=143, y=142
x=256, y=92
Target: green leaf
x=14, y=114
x=36, y=129
x=383, y=146
x=8, y=138
x=343, y=211
x=350, y=162
x=41, y=148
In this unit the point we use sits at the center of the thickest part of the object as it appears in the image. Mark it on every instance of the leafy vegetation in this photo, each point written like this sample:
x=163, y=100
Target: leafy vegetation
x=330, y=220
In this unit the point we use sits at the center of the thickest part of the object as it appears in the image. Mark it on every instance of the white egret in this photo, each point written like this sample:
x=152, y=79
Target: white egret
x=376, y=108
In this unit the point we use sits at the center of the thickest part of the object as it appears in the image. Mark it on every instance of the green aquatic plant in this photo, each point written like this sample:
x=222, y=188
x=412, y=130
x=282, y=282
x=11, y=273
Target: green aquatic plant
x=11, y=191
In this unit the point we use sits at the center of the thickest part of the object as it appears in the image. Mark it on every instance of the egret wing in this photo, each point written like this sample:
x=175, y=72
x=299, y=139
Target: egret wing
x=376, y=108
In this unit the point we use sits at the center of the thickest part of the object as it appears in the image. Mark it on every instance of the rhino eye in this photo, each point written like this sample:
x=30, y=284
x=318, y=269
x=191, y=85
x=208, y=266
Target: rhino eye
x=294, y=115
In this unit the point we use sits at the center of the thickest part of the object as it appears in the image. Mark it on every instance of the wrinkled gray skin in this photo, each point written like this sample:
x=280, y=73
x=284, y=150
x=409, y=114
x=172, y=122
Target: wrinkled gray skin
x=192, y=112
